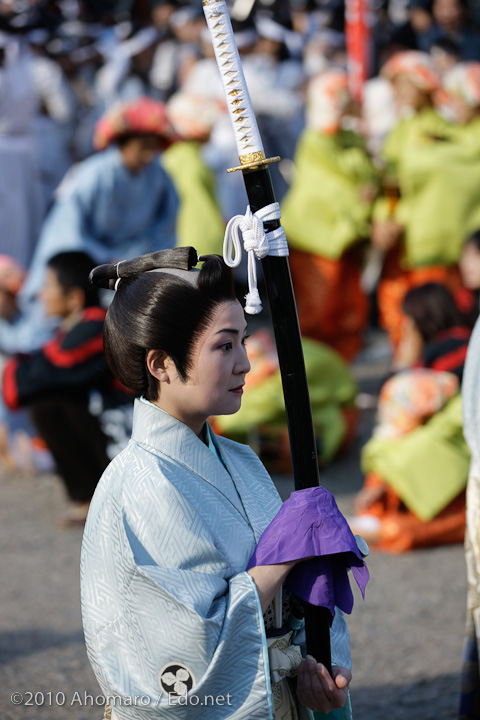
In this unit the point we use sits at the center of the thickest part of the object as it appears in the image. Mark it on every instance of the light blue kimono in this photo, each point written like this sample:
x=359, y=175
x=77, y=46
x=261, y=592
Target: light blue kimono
x=105, y=211
x=165, y=596
x=109, y=213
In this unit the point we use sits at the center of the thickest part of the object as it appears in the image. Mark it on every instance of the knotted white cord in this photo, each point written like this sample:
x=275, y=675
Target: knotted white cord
x=257, y=244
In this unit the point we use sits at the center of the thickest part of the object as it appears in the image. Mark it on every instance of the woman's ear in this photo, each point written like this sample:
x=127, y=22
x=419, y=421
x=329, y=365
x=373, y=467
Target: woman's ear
x=160, y=365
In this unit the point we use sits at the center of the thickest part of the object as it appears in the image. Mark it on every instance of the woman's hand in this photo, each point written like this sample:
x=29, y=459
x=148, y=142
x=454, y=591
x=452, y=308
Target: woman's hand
x=268, y=579
x=317, y=690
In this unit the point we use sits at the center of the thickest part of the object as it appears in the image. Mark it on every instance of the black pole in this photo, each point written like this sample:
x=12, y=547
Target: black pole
x=283, y=309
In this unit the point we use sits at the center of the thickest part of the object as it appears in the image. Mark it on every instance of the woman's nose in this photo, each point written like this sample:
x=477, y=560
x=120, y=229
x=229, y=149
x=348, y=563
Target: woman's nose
x=243, y=364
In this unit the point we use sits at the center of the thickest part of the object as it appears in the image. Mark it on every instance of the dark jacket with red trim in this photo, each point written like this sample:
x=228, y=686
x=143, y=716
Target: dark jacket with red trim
x=72, y=362
x=448, y=350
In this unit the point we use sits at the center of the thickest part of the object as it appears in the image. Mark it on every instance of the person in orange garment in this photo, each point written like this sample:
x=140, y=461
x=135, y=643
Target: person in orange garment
x=416, y=463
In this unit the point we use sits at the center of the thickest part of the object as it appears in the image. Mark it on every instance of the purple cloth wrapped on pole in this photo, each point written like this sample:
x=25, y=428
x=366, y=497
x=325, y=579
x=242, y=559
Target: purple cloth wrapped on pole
x=310, y=525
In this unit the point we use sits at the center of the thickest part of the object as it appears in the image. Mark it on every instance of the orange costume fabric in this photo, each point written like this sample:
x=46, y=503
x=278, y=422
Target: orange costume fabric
x=401, y=530
x=332, y=308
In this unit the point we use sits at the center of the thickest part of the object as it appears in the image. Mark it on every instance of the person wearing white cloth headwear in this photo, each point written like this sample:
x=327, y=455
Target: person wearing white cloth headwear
x=126, y=76
x=275, y=84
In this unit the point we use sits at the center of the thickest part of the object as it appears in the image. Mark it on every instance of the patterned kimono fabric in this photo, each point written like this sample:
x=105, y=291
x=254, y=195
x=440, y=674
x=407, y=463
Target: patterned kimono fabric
x=438, y=171
x=325, y=221
x=167, y=605
x=470, y=690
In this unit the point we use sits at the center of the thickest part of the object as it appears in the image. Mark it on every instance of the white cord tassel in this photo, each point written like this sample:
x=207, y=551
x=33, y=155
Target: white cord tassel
x=257, y=244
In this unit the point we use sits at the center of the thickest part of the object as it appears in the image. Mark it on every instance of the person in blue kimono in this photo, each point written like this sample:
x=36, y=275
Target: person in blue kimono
x=117, y=203
x=174, y=623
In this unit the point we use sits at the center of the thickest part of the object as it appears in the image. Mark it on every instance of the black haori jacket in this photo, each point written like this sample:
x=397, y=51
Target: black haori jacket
x=72, y=362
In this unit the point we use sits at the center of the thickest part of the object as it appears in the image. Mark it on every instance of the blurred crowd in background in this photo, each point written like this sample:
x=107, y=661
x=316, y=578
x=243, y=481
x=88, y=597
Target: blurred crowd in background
x=115, y=141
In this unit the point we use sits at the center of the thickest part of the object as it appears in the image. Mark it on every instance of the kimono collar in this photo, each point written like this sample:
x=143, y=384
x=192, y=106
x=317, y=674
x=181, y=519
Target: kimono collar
x=170, y=437
x=155, y=428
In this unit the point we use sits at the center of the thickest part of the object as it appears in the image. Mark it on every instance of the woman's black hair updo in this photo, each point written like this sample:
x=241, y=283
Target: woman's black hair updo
x=159, y=311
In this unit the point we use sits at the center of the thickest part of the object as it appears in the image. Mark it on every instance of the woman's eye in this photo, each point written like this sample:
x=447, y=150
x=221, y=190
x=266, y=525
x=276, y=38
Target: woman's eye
x=227, y=346
x=244, y=341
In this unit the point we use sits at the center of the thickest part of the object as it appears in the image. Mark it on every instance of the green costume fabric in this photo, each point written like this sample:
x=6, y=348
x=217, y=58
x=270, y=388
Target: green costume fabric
x=199, y=220
x=438, y=170
x=428, y=467
x=331, y=385
x=323, y=212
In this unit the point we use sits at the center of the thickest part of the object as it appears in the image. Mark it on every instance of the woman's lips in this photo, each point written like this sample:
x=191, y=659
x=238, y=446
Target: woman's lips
x=238, y=390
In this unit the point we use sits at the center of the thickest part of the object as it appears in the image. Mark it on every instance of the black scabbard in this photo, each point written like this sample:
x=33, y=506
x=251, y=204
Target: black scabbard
x=283, y=310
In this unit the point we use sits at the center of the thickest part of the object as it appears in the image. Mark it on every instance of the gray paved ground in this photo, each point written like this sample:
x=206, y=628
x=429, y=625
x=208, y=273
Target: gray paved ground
x=406, y=637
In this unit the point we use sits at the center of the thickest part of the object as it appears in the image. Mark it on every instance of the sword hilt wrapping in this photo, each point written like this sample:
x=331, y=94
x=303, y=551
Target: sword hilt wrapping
x=247, y=136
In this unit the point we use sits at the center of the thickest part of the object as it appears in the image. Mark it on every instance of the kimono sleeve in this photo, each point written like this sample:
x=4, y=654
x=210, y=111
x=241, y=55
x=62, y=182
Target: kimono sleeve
x=190, y=639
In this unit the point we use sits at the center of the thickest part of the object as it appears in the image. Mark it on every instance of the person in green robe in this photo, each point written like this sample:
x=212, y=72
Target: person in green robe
x=416, y=463
x=326, y=215
x=199, y=221
x=435, y=166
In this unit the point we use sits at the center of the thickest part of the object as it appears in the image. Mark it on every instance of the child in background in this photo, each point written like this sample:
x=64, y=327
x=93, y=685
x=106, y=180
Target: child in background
x=416, y=463
x=55, y=382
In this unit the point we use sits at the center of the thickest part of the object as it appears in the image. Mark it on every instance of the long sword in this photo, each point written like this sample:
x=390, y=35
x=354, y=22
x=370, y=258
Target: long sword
x=256, y=173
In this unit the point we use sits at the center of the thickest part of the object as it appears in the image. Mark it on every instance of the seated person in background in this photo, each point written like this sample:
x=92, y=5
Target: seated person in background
x=117, y=203
x=416, y=463
x=56, y=381
x=435, y=332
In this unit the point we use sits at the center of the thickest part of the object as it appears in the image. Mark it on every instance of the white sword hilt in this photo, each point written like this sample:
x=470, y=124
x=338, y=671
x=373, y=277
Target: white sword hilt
x=247, y=137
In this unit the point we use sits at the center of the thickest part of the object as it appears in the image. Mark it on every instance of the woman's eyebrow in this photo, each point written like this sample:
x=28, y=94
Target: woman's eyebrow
x=229, y=330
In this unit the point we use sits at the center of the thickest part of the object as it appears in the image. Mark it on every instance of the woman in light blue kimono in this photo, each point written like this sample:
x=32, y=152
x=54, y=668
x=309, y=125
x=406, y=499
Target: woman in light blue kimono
x=173, y=622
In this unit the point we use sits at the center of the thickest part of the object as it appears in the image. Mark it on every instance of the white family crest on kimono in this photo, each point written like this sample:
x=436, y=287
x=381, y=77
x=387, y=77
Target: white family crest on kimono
x=166, y=601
